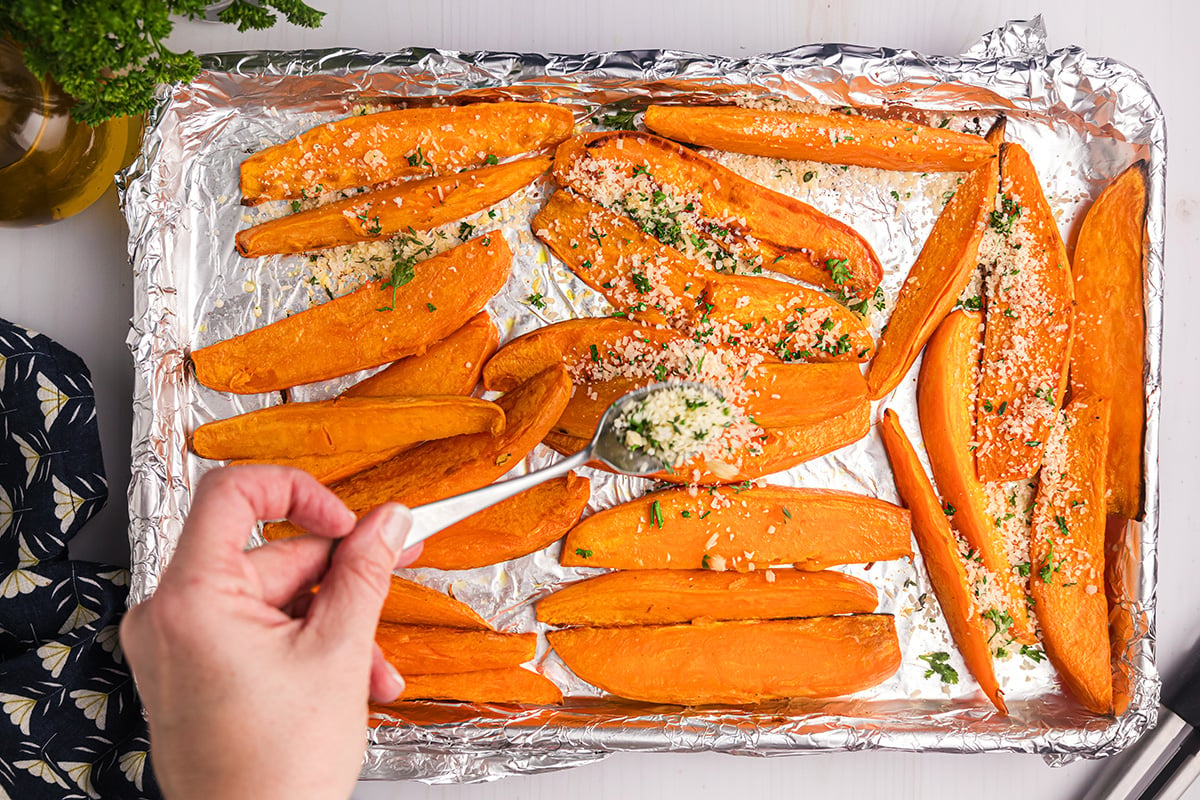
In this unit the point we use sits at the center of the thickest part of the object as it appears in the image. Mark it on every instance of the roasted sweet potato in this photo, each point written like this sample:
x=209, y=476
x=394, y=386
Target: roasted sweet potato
x=941, y=272
x=1066, y=553
x=1029, y=319
x=451, y=366
x=658, y=180
x=409, y=603
x=420, y=205
x=657, y=597
x=371, y=326
x=944, y=390
x=834, y=138
x=642, y=277
x=369, y=149
x=1109, y=349
x=791, y=322
x=734, y=663
x=355, y=424
x=939, y=549
x=609, y=357
x=510, y=529
x=740, y=529
x=777, y=450
x=428, y=650
x=437, y=470
x=507, y=685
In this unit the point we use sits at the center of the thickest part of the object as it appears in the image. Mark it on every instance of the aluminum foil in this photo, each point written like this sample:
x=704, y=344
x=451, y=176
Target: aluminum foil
x=1082, y=118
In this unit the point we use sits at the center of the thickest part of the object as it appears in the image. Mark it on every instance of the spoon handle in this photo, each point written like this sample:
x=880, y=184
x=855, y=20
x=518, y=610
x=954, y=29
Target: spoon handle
x=433, y=517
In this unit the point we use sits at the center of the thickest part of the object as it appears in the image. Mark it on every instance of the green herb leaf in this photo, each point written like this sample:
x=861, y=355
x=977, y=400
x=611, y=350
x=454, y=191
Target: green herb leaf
x=579, y=551
x=939, y=664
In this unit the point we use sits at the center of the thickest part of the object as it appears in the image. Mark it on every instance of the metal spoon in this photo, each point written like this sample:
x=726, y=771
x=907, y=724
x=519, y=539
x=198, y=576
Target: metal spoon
x=606, y=447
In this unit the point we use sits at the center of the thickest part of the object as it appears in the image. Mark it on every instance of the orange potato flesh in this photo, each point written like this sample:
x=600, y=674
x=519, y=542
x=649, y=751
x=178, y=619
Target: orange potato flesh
x=657, y=597
x=941, y=272
x=780, y=395
x=383, y=213
x=512, y=528
x=734, y=663
x=740, y=529
x=372, y=148
x=362, y=329
x=789, y=321
x=778, y=449
x=356, y=425
x=451, y=366
x=427, y=650
x=944, y=392
x=409, y=603
x=789, y=236
x=1066, y=554
x=436, y=470
x=1109, y=349
x=1029, y=322
x=833, y=138
x=939, y=549
x=507, y=685
x=643, y=278
x=652, y=283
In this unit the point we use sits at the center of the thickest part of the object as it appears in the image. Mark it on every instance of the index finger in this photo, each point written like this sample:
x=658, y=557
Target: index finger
x=228, y=502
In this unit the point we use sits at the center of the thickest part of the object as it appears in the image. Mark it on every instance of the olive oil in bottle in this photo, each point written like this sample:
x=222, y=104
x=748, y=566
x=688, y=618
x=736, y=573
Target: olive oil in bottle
x=51, y=166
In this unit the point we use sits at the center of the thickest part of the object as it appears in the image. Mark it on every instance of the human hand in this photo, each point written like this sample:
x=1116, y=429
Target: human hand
x=254, y=686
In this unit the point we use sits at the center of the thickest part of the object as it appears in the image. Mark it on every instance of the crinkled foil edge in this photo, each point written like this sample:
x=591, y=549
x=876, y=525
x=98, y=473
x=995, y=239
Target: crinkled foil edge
x=1011, y=62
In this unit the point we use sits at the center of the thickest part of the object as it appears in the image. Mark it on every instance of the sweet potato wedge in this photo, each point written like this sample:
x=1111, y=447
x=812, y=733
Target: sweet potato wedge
x=791, y=322
x=777, y=450
x=451, y=366
x=510, y=529
x=939, y=549
x=409, y=603
x=609, y=357
x=658, y=597
x=734, y=663
x=944, y=389
x=1066, y=553
x=506, y=685
x=740, y=529
x=1029, y=320
x=355, y=424
x=420, y=205
x=440, y=469
x=368, y=327
x=1109, y=349
x=643, y=278
x=426, y=650
x=941, y=272
x=834, y=138
x=739, y=217
x=369, y=149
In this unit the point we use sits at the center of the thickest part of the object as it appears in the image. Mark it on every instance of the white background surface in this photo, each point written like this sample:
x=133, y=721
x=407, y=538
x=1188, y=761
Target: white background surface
x=71, y=281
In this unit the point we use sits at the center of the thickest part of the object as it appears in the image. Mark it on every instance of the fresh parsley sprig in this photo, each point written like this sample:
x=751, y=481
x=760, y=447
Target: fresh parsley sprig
x=110, y=54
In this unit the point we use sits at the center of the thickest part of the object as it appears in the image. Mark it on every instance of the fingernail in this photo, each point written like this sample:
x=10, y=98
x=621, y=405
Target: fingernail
x=396, y=678
x=394, y=530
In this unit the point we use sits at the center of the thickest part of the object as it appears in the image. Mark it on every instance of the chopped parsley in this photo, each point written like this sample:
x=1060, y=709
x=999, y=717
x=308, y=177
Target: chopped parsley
x=620, y=120
x=491, y=160
x=939, y=664
x=579, y=551
x=537, y=300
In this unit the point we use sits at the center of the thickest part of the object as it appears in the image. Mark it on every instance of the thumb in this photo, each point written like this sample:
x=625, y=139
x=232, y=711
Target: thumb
x=353, y=590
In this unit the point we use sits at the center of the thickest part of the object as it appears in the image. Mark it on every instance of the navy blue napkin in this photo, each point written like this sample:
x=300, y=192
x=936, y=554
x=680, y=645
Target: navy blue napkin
x=71, y=725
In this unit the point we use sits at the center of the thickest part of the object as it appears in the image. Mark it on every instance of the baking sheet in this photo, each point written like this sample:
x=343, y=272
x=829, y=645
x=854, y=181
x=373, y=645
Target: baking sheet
x=1083, y=119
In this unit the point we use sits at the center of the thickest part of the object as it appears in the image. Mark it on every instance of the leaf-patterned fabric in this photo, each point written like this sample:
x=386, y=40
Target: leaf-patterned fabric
x=70, y=722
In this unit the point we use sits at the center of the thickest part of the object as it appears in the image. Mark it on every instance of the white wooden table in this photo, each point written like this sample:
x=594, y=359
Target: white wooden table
x=72, y=281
